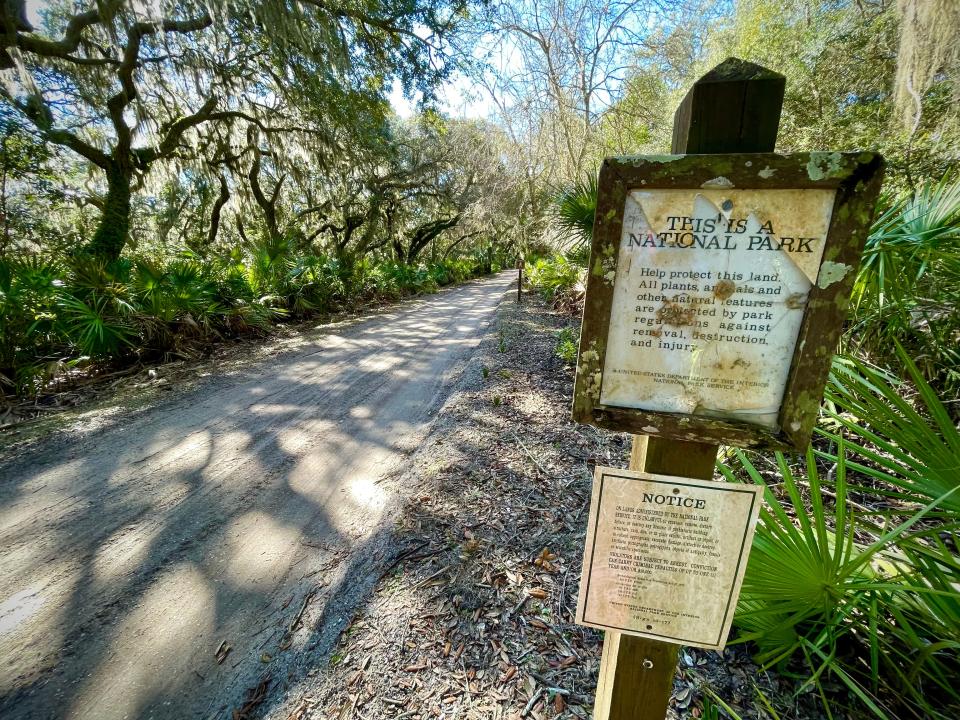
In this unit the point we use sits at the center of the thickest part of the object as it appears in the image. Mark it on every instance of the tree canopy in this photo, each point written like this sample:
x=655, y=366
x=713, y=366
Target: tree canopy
x=261, y=137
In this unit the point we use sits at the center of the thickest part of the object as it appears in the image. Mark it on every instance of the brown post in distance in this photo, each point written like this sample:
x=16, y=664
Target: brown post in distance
x=733, y=108
x=519, y=278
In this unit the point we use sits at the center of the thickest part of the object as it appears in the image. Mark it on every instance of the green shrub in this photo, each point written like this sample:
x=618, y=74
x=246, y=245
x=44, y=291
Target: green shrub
x=908, y=285
x=863, y=594
x=567, y=340
x=58, y=313
x=555, y=276
x=390, y=281
x=95, y=309
x=29, y=294
x=559, y=281
x=314, y=284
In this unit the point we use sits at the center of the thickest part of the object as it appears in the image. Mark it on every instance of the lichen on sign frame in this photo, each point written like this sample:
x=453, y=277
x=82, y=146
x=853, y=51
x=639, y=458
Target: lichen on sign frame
x=717, y=290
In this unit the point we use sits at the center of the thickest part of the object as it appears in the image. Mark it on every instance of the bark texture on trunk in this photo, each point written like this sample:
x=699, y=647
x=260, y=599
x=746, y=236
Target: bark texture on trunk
x=217, y=209
x=114, y=228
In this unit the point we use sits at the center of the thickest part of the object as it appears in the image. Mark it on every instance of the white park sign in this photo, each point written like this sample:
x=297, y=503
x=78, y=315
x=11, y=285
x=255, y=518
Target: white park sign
x=710, y=290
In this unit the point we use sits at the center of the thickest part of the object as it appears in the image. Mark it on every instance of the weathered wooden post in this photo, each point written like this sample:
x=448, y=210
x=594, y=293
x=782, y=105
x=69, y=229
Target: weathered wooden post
x=734, y=108
x=802, y=217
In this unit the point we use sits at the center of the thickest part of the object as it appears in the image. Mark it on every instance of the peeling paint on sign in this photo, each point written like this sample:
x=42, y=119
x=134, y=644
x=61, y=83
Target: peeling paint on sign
x=662, y=366
x=709, y=293
x=718, y=182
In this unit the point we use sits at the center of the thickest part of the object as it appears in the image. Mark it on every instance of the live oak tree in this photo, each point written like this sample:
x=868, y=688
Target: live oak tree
x=486, y=188
x=25, y=162
x=83, y=90
x=424, y=194
x=449, y=189
x=126, y=86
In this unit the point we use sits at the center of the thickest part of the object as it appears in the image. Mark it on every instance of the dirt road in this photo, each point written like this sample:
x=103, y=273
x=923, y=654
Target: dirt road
x=128, y=554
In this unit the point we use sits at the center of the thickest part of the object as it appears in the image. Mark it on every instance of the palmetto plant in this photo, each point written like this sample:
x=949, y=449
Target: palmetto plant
x=314, y=284
x=268, y=268
x=191, y=292
x=858, y=578
x=914, y=237
x=907, y=454
x=241, y=309
x=149, y=286
x=95, y=308
x=29, y=288
x=575, y=208
x=56, y=314
x=99, y=324
x=822, y=590
x=391, y=280
x=556, y=277
x=170, y=294
x=908, y=285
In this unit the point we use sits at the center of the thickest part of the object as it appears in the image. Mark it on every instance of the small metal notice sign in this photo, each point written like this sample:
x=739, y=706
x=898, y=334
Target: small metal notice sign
x=665, y=556
x=717, y=290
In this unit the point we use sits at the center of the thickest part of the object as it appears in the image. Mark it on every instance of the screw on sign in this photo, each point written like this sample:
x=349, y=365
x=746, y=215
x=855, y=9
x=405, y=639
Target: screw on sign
x=717, y=288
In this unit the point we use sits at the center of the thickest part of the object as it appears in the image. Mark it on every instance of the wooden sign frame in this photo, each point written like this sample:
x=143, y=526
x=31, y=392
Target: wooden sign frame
x=856, y=177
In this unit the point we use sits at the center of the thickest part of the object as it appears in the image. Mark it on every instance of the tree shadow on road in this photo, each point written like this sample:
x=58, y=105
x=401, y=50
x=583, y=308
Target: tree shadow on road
x=133, y=551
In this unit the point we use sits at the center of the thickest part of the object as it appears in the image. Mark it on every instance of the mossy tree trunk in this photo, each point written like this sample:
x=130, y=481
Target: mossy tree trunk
x=222, y=200
x=267, y=205
x=113, y=231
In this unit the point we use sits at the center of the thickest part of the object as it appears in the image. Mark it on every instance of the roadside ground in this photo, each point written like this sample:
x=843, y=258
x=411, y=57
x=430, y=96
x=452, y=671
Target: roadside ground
x=473, y=619
x=102, y=388
x=83, y=402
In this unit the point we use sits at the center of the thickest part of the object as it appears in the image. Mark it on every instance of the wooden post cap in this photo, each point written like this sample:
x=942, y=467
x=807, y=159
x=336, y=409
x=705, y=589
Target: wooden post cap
x=733, y=108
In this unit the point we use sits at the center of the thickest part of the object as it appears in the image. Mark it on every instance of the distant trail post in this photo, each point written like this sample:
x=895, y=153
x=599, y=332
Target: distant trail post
x=771, y=242
x=519, y=278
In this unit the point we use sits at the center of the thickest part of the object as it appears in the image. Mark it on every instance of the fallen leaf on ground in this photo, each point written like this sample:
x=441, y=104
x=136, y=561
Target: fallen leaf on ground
x=222, y=651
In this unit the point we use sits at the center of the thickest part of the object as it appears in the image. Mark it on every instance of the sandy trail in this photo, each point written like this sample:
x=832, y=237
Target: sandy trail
x=130, y=553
